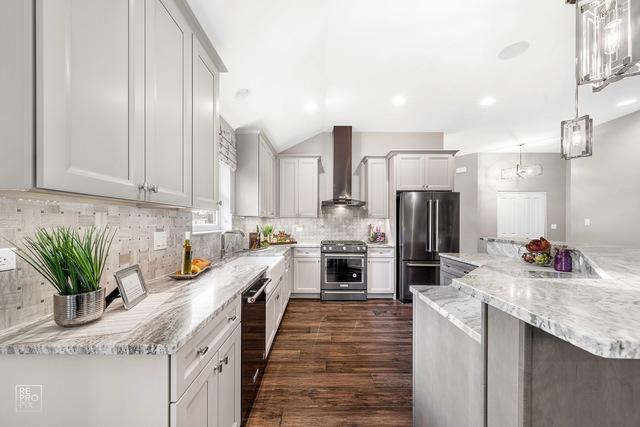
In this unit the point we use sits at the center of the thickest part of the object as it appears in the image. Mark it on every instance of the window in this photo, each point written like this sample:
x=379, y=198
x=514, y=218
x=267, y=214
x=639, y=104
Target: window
x=220, y=220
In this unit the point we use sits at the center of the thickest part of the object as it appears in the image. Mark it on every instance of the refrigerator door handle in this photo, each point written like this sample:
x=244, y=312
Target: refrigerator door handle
x=430, y=236
x=437, y=224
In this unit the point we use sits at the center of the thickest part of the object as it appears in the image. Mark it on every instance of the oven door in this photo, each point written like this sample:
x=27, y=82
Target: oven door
x=344, y=271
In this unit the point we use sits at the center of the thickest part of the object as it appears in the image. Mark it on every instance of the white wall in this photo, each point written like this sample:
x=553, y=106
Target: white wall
x=364, y=144
x=605, y=187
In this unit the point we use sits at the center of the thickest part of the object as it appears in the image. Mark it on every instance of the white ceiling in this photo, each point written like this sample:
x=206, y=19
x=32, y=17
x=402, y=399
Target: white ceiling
x=351, y=58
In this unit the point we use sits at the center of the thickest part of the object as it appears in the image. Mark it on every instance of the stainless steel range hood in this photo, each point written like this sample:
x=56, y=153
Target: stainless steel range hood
x=342, y=170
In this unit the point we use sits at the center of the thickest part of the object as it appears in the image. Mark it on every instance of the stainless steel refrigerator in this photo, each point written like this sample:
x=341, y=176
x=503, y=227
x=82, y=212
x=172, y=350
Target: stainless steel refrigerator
x=428, y=224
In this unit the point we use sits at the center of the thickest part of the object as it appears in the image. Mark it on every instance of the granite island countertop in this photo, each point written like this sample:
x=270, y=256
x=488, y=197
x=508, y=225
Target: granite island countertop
x=599, y=313
x=184, y=308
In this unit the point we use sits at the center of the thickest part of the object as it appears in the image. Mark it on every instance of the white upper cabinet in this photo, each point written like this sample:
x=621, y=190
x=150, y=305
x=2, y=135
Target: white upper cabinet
x=168, y=104
x=410, y=172
x=255, y=176
x=116, y=113
x=424, y=171
x=374, y=181
x=439, y=170
x=205, y=130
x=299, y=187
x=90, y=97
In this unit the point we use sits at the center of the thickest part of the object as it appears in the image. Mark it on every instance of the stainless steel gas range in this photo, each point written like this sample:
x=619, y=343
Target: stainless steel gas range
x=344, y=270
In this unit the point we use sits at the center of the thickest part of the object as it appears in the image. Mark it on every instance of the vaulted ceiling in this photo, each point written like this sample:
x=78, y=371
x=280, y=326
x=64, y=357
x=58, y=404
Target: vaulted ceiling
x=298, y=67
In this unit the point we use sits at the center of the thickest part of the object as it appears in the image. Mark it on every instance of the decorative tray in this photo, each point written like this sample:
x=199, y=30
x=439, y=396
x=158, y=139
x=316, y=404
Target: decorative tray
x=189, y=276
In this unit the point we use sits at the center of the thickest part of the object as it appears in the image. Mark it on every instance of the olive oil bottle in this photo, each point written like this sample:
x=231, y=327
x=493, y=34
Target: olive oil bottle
x=186, y=254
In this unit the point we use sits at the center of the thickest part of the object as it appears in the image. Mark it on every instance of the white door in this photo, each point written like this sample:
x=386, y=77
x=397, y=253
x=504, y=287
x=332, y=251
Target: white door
x=90, y=92
x=307, y=180
x=410, y=172
x=377, y=188
x=380, y=276
x=198, y=406
x=271, y=313
x=205, y=142
x=438, y=169
x=522, y=214
x=306, y=273
x=168, y=104
x=229, y=385
x=288, y=171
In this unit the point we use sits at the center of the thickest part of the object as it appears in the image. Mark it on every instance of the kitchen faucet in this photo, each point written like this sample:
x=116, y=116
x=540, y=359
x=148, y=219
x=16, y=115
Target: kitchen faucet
x=223, y=242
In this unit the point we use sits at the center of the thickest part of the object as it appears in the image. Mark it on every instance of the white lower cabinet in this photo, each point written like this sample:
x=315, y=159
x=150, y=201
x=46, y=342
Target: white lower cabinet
x=271, y=321
x=213, y=399
x=306, y=275
x=381, y=271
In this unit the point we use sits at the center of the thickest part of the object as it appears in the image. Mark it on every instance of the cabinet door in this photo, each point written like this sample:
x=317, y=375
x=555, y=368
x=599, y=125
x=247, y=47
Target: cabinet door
x=90, y=93
x=377, y=188
x=380, y=276
x=288, y=184
x=271, y=313
x=198, y=406
x=306, y=276
x=410, y=172
x=168, y=104
x=229, y=384
x=438, y=171
x=272, y=183
x=263, y=176
x=205, y=130
x=307, y=180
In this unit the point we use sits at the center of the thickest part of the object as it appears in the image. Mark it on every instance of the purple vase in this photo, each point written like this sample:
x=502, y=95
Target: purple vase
x=562, y=261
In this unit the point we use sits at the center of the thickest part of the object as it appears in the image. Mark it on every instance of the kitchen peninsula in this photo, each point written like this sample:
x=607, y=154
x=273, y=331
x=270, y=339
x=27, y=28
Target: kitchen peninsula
x=551, y=348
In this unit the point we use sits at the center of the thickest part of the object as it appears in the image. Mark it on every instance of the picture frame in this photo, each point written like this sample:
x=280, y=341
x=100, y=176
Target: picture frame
x=131, y=285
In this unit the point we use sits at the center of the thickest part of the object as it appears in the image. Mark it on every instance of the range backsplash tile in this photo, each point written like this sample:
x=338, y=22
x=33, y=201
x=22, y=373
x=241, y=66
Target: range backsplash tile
x=24, y=295
x=333, y=224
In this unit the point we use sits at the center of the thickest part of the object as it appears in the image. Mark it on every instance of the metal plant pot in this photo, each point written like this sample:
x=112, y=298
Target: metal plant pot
x=75, y=310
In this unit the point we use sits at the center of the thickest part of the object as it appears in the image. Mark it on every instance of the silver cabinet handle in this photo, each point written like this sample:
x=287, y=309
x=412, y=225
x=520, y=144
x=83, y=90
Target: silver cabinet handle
x=216, y=368
x=231, y=317
x=220, y=367
x=202, y=351
x=153, y=188
x=143, y=187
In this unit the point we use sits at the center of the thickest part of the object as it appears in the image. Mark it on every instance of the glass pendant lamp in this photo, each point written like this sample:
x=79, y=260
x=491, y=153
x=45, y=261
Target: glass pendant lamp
x=577, y=135
x=521, y=170
x=608, y=41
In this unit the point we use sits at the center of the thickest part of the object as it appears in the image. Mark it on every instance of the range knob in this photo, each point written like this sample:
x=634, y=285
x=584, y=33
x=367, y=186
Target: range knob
x=344, y=248
x=324, y=248
x=358, y=248
x=330, y=248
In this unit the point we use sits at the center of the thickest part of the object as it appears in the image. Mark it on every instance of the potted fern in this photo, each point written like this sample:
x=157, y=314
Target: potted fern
x=73, y=263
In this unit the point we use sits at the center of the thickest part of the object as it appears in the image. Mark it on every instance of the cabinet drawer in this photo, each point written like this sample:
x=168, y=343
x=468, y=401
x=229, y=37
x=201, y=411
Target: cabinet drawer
x=192, y=357
x=456, y=268
x=306, y=252
x=380, y=252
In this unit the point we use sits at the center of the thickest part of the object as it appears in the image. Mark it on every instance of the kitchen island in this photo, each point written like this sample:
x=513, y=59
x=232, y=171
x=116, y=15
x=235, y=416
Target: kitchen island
x=172, y=360
x=557, y=348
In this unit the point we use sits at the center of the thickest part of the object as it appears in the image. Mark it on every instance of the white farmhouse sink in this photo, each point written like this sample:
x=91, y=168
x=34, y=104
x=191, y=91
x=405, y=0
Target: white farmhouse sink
x=275, y=266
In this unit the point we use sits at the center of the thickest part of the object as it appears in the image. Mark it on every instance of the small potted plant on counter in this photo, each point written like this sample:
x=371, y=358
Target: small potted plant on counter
x=73, y=263
x=267, y=232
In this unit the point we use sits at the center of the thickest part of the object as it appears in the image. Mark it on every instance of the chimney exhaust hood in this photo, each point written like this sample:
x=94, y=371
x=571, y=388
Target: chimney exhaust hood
x=342, y=146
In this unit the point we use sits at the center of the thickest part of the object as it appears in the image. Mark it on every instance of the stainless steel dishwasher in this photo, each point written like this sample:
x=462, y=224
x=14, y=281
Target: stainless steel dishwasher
x=253, y=343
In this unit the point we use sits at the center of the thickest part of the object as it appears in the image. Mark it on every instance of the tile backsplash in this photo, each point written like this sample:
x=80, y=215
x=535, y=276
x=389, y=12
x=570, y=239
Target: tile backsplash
x=333, y=224
x=25, y=295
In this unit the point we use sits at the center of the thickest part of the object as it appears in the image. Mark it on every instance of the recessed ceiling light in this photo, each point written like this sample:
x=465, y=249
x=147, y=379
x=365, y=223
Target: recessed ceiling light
x=488, y=101
x=514, y=50
x=399, y=100
x=242, y=94
x=627, y=102
x=311, y=106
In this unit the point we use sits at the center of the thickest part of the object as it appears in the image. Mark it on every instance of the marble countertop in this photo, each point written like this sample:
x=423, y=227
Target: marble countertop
x=601, y=314
x=184, y=308
x=478, y=259
x=459, y=308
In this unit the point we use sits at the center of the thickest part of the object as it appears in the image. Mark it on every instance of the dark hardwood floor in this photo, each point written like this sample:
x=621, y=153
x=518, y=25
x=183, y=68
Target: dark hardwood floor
x=339, y=364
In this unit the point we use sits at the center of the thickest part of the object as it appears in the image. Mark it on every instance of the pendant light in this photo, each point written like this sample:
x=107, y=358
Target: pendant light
x=521, y=171
x=577, y=133
x=608, y=41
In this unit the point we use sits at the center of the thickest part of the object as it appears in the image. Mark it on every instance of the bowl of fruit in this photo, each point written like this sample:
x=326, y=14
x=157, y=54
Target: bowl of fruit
x=198, y=266
x=538, y=252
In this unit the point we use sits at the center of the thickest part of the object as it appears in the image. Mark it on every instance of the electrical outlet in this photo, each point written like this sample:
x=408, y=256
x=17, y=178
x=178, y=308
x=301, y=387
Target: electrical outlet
x=159, y=240
x=587, y=222
x=554, y=226
x=7, y=259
